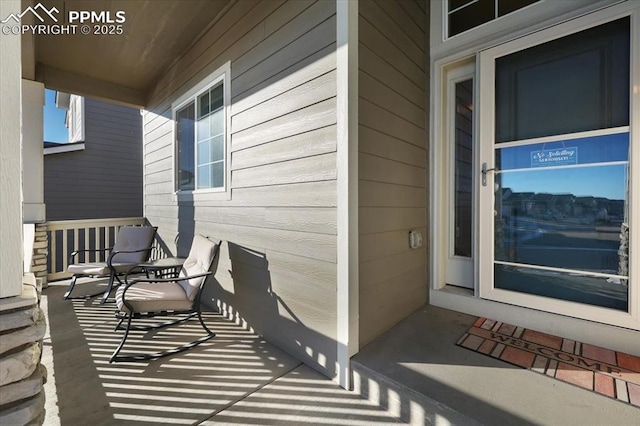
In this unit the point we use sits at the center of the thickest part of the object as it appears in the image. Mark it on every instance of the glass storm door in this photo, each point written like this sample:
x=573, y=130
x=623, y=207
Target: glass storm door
x=554, y=171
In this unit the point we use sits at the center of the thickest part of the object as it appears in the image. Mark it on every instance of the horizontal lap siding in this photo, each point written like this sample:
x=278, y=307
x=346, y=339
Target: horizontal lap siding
x=105, y=179
x=392, y=162
x=278, y=264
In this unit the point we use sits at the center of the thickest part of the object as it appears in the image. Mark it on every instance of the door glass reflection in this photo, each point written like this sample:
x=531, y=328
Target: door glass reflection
x=561, y=220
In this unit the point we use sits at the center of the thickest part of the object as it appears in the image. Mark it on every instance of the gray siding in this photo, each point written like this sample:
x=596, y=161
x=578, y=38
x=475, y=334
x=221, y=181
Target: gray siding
x=392, y=162
x=278, y=266
x=105, y=179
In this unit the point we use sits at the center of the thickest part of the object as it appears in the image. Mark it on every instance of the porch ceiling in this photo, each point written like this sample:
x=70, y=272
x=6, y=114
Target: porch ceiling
x=121, y=68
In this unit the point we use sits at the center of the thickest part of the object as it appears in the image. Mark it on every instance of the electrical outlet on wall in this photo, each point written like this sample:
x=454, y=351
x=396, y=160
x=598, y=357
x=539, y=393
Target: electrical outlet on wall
x=415, y=239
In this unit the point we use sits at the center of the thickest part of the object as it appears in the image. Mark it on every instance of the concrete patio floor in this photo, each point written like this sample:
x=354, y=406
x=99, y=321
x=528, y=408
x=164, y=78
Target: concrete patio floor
x=235, y=378
x=414, y=372
x=419, y=363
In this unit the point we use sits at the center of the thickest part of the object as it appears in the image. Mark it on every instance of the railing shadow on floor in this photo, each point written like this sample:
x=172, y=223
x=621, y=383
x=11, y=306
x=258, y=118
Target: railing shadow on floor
x=238, y=377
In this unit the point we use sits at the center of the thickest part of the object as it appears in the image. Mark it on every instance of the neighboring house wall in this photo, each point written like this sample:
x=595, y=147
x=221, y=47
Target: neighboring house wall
x=392, y=162
x=278, y=264
x=105, y=179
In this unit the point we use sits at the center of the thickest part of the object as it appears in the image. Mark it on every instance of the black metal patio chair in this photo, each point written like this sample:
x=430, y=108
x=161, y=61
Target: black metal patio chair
x=132, y=246
x=180, y=295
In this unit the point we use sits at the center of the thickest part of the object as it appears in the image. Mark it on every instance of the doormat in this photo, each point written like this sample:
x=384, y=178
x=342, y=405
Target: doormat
x=610, y=373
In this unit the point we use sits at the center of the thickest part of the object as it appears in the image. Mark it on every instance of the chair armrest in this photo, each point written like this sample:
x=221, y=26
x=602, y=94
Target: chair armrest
x=165, y=280
x=128, y=284
x=76, y=252
x=134, y=268
x=113, y=253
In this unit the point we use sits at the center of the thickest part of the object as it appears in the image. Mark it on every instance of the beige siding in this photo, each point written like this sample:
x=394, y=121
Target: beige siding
x=278, y=265
x=392, y=162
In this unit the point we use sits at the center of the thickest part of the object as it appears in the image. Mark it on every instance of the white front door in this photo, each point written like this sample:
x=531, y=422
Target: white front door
x=557, y=144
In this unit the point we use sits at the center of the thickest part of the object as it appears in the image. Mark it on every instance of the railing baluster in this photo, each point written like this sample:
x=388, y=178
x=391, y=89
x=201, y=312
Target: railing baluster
x=76, y=240
x=65, y=250
x=112, y=235
x=86, y=244
x=53, y=252
x=105, y=242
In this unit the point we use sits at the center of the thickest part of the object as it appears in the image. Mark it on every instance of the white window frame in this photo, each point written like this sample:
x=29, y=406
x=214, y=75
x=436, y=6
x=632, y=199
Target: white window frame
x=537, y=16
x=221, y=75
x=447, y=12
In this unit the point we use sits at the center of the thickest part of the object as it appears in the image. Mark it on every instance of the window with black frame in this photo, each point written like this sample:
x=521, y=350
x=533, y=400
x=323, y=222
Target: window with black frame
x=464, y=15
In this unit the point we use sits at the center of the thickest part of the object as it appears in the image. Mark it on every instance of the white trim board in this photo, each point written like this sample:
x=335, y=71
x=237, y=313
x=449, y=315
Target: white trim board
x=67, y=147
x=347, y=188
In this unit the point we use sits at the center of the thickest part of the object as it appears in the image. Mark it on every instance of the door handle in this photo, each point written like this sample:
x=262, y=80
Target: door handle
x=484, y=173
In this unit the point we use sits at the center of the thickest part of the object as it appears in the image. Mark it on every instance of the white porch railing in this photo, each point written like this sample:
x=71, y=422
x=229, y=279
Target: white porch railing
x=65, y=236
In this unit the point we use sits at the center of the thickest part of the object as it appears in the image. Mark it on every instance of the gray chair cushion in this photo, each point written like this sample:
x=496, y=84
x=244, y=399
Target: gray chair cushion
x=176, y=295
x=199, y=260
x=133, y=238
x=128, y=238
x=154, y=297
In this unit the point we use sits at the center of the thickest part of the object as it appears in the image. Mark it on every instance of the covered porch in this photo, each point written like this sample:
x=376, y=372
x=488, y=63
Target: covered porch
x=316, y=228
x=414, y=374
x=236, y=378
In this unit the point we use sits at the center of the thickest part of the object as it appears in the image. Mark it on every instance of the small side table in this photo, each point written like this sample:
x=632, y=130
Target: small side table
x=174, y=264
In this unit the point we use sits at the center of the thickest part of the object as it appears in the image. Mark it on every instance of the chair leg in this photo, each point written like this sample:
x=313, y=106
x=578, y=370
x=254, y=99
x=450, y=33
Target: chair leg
x=107, y=292
x=124, y=339
x=160, y=325
x=71, y=286
x=144, y=357
x=67, y=295
x=119, y=325
x=209, y=332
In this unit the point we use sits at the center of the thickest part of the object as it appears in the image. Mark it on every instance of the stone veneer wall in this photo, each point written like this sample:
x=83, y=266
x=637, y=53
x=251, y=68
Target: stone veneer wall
x=22, y=328
x=40, y=253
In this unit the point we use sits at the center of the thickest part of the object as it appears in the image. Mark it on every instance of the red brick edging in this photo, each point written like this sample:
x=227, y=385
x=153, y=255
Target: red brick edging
x=610, y=373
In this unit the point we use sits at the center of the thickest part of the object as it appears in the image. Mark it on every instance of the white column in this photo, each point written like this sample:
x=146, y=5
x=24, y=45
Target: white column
x=10, y=164
x=347, y=193
x=32, y=151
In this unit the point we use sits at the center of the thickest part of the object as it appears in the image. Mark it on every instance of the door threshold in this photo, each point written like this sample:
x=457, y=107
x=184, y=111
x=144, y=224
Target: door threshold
x=454, y=289
x=608, y=336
